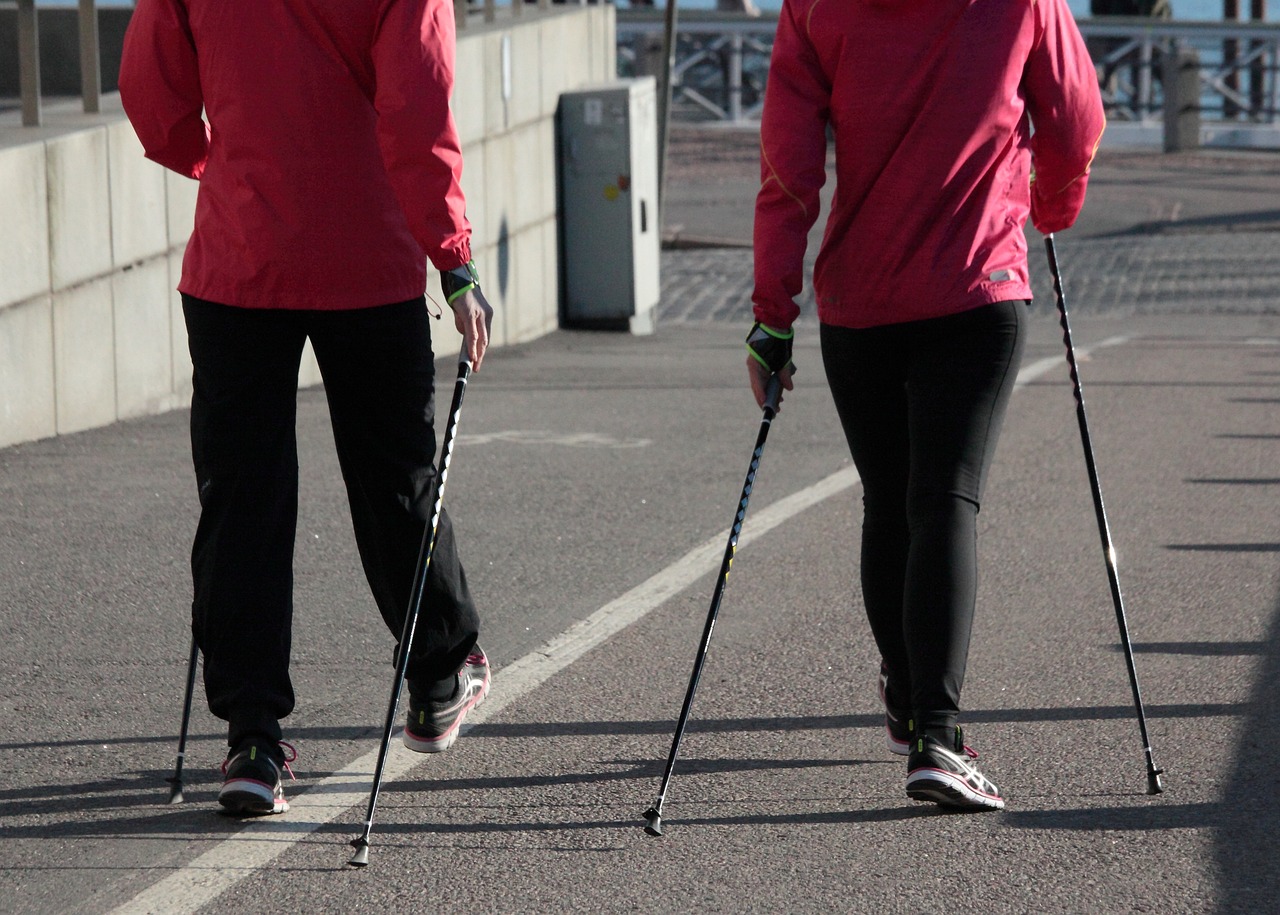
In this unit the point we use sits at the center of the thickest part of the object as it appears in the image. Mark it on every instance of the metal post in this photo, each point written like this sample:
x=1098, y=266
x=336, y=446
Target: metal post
x=735, y=78
x=664, y=98
x=490, y=11
x=1144, y=104
x=1230, y=55
x=1275, y=83
x=459, y=15
x=90, y=68
x=1257, y=72
x=29, y=62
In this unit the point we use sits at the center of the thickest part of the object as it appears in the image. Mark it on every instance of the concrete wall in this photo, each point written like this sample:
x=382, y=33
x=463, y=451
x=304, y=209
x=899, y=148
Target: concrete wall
x=92, y=234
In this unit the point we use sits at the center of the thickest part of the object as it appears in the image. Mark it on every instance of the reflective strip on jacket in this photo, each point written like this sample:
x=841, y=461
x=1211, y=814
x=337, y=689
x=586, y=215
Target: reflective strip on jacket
x=932, y=107
x=329, y=165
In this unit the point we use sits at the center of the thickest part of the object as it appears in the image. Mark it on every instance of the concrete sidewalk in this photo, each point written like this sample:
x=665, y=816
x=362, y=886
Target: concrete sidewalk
x=594, y=484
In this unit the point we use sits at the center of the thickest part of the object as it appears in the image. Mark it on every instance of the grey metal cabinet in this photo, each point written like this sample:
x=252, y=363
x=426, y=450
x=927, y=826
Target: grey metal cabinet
x=608, y=195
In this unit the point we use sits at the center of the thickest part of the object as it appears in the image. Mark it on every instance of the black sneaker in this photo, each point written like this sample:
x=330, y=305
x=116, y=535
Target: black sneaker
x=253, y=786
x=897, y=726
x=433, y=726
x=949, y=776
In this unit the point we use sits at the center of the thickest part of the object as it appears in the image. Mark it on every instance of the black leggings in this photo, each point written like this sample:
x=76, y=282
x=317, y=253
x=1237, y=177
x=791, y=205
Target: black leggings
x=921, y=404
x=379, y=380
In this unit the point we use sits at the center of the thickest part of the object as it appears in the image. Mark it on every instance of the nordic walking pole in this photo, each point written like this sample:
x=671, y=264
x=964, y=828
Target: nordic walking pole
x=175, y=780
x=361, y=842
x=1154, y=784
x=653, y=816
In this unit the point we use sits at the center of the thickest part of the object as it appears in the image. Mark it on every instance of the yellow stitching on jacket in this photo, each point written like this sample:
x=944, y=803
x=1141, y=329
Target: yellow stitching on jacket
x=1092, y=155
x=808, y=19
x=772, y=171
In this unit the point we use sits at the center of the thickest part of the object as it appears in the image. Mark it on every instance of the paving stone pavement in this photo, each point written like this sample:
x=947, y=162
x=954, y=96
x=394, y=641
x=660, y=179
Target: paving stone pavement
x=1225, y=272
x=1160, y=234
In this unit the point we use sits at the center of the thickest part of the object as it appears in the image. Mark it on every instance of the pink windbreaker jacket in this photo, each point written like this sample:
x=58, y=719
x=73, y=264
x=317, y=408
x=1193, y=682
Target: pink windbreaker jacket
x=329, y=165
x=933, y=106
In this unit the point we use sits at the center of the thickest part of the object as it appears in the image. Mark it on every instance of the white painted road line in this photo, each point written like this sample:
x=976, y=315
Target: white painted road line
x=199, y=882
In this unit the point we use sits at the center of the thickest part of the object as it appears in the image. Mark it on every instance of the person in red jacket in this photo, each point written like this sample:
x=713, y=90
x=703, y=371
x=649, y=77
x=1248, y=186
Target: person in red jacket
x=329, y=169
x=953, y=122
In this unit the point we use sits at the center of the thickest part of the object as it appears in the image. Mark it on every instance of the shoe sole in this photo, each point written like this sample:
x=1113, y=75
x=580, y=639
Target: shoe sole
x=249, y=797
x=949, y=790
x=449, y=737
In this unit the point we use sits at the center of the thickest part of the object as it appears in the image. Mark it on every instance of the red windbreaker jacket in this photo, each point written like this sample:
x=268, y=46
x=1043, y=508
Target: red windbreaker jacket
x=329, y=167
x=932, y=106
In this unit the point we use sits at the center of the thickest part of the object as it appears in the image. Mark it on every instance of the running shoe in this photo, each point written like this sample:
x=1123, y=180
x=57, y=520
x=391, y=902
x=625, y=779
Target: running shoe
x=432, y=726
x=949, y=776
x=252, y=785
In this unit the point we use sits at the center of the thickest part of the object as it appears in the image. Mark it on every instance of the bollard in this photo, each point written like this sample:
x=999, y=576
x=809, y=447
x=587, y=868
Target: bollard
x=1181, y=77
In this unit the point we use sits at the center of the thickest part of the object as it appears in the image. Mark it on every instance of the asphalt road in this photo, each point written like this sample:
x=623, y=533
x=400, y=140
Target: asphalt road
x=593, y=487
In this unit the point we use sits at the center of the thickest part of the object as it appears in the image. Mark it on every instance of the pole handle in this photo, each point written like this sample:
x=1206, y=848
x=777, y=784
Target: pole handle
x=772, y=394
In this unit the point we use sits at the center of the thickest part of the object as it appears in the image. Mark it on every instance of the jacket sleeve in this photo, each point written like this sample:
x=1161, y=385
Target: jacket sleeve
x=413, y=60
x=1067, y=118
x=160, y=87
x=793, y=151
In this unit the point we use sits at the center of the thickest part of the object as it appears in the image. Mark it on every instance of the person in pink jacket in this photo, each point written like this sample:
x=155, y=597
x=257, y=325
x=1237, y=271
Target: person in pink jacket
x=329, y=170
x=953, y=122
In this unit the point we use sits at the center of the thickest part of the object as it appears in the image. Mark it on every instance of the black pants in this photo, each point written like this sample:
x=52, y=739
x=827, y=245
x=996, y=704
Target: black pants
x=921, y=404
x=379, y=374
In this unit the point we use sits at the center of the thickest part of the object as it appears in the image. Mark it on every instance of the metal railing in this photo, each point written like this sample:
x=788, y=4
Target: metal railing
x=722, y=63
x=467, y=12
x=29, y=60
x=488, y=9
x=722, y=60
x=1238, y=65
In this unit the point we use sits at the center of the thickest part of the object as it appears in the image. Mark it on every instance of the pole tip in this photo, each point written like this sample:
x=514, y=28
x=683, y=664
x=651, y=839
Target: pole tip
x=653, y=822
x=175, y=791
x=361, y=857
x=1155, y=784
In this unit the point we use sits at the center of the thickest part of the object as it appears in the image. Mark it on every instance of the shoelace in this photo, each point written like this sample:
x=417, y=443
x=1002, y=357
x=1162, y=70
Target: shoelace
x=284, y=745
x=293, y=750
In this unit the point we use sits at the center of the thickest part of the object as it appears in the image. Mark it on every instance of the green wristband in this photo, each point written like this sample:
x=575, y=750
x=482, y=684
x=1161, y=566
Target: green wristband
x=770, y=347
x=459, y=280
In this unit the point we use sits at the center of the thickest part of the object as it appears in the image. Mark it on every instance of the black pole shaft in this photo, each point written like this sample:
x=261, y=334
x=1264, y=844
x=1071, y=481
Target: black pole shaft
x=175, y=780
x=361, y=843
x=653, y=816
x=665, y=95
x=1154, y=785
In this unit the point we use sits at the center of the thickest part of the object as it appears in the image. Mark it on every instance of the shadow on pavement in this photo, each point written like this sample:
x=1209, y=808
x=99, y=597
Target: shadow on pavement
x=1247, y=843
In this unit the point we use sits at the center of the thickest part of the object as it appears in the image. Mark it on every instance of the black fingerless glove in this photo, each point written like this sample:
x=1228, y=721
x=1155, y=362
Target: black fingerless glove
x=458, y=280
x=770, y=347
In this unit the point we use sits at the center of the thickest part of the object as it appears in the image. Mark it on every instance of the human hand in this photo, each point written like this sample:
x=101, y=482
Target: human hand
x=471, y=312
x=769, y=354
x=758, y=376
x=473, y=317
